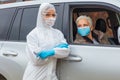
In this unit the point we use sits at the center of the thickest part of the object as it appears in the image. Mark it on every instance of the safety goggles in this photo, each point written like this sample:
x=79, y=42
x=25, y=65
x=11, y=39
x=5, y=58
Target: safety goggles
x=48, y=15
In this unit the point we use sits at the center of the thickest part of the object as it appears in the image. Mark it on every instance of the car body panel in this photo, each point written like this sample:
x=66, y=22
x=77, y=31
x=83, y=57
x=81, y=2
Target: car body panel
x=10, y=69
x=1, y=43
x=13, y=59
x=98, y=63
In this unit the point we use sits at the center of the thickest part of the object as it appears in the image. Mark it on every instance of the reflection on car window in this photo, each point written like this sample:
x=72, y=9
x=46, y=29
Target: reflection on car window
x=16, y=26
x=5, y=17
x=28, y=22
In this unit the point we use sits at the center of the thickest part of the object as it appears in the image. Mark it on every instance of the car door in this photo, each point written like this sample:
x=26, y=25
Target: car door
x=13, y=48
x=88, y=61
x=6, y=16
x=1, y=44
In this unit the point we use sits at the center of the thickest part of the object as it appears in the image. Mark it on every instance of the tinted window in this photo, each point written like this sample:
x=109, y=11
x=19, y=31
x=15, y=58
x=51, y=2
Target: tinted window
x=59, y=10
x=5, y=20
x=28, y=22
x=16, y=26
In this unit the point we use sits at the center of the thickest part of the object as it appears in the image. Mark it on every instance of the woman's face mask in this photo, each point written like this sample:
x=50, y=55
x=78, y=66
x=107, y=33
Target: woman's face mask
x=50, y=21
x=83, y=31
x=50, y=17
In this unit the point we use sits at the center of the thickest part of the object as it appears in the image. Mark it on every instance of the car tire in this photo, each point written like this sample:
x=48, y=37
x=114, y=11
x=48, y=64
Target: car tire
x=2, y=77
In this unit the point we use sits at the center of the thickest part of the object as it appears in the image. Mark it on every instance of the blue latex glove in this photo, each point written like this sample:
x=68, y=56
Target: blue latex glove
x=46, y=53
x=63, y=45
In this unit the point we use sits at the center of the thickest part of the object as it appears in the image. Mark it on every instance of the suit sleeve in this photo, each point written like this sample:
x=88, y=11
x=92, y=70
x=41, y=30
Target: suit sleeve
x=61, y=52
x=32, y=49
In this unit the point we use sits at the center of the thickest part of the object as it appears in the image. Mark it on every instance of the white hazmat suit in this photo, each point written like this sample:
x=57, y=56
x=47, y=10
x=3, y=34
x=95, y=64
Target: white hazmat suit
x=43, y=37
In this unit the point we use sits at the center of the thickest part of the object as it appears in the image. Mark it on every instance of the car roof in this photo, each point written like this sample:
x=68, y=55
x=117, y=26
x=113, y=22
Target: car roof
x=25, y=3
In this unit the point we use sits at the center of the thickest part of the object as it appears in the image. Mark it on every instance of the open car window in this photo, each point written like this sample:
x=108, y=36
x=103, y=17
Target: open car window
x=110, y=17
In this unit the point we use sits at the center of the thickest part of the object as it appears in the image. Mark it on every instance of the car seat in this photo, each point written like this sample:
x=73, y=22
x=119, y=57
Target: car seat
x=101, y=25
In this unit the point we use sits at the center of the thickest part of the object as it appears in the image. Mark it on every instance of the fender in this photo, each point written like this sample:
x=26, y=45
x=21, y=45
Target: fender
x=10, y=69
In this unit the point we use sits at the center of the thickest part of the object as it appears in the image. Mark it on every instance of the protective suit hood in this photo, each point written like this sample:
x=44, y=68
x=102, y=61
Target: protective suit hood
x=42, y=10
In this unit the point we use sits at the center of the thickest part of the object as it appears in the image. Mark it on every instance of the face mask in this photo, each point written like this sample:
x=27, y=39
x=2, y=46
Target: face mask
x=50, y=21
x=84, y=31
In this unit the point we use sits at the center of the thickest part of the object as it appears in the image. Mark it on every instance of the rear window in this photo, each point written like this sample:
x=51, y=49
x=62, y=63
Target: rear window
x=6, y=16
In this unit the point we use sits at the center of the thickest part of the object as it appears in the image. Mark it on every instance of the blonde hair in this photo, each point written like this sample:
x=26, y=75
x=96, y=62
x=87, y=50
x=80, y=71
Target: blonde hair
x=84, y=17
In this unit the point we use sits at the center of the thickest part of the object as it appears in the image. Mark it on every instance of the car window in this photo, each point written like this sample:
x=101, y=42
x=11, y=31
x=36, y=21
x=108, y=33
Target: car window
x=59, y=10
x=29, y=18
x=98, y=16
x=6, y=16
x=16, y=26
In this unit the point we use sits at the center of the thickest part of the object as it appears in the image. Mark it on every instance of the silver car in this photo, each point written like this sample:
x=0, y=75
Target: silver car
x=85, y=62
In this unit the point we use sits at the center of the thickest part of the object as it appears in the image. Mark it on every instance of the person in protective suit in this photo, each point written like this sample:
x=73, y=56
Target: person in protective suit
x=44, y=46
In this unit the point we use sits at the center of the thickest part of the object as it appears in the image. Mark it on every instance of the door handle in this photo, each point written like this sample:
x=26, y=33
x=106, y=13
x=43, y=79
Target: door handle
x=73, y=58
x=10, y=53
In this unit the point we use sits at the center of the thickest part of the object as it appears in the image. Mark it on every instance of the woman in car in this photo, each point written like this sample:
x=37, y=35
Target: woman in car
x=85, y=34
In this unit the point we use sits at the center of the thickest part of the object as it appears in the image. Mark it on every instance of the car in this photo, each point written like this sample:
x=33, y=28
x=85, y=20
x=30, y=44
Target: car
x=85, y=62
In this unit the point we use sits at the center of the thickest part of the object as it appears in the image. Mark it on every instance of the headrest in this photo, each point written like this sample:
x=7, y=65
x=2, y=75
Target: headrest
x=100, y=25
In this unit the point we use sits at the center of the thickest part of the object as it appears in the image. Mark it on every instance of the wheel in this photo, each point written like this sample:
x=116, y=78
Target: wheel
x=2, y=77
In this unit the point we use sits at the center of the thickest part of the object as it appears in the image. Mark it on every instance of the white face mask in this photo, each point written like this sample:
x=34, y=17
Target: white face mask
x=50, y=22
